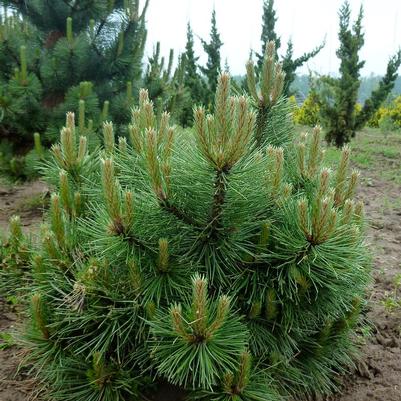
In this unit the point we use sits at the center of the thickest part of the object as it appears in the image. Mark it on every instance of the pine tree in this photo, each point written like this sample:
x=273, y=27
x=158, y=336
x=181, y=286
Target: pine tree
x=290, y=65
x=179, y=96
x=14, y=259
x=20, y=92
x=268, y=34
x=192, y=80
x=338, y=96
x=157, y=77
x=76, y=52
x=213, y=64
x=380, y=94
x=166, y=88
x=339, y=116
x=209, y=264
x=273, y=124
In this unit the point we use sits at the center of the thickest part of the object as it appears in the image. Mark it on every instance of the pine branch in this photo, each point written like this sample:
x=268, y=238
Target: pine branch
x=100, y=27
x=216, y=223
x=298, y=62
x=169, y=207
x=67, y=3
x=132, y=239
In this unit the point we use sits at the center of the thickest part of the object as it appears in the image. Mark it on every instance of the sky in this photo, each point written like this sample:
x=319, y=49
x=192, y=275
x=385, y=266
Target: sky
x=307, y=22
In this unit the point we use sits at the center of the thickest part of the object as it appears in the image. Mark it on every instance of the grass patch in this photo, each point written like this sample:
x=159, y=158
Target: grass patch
x=389, y=152
x=6, y=340
x=332, y=156
x=371, y=150
x=392, y=176
x=34, y=202
x=378, y=152
x=362, y=159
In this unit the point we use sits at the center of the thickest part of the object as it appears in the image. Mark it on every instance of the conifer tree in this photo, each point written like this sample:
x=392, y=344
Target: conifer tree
x=380, y=94
x=76, y=52
x=14, y=259
x=213, y=64
x=158, y=77
x=20, y=92
x=290, y=65
x=192, y=80
x=268, y=34
x=179, y=95
x=212, y=264
x=338, y=96
x=273, y=110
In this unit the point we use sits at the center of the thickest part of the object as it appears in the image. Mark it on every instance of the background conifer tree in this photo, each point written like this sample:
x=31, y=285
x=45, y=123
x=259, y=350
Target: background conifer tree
x=192, y=80
x=273, y=123
x=289, y=63
x=380, y=94
x=20, y=92
x=268, y=34
x=166, y=88
x=338, y=96
x=97, y=42
x=213, y=65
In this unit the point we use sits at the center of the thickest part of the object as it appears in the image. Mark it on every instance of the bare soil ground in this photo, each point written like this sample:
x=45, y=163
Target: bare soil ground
x=378, y=376
x=15, y=381
x=26, y=201
x=378, y=373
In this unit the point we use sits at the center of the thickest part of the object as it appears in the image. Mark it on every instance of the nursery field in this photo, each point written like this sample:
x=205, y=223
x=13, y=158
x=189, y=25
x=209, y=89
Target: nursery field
x=378, y=372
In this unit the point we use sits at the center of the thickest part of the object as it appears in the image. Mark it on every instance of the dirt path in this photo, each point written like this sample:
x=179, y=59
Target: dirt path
x=379, y=374
x=15, y=382
x=26, y=201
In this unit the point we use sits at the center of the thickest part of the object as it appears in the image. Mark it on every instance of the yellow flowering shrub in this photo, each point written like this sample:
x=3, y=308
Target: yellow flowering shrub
x=308, y=112
x=374, y=121
x=390, y=113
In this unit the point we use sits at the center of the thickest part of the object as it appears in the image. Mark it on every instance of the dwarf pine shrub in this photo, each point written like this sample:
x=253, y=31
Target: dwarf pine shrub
x=14, y=259
x=225, y=262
